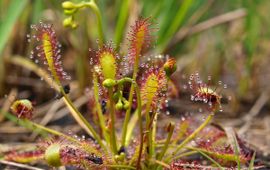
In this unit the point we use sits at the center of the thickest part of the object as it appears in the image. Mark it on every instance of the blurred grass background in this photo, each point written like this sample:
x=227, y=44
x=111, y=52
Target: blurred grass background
x=228, y=40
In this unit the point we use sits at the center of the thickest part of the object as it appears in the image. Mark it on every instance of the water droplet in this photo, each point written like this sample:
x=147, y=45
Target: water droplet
x=185, y=87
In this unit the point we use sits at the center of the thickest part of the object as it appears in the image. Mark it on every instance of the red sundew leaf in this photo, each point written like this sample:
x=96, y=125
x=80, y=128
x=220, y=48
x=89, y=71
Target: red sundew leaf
x=24, y=156
x=203, y=93
x=153, y=83
x=82, y=154
x=186, y=165
x=105, y=65
x=105, y=61
x=140, y=38
x=48, y=50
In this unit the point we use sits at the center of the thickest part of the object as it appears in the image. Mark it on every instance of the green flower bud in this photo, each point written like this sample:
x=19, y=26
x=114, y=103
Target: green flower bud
x=119, y=105
x=116, y=96
x=108, y=83
x=68, y=5
x=70, y=11
x=74, y=25
x=126, y=104
x=68, y=22
x=120, y=157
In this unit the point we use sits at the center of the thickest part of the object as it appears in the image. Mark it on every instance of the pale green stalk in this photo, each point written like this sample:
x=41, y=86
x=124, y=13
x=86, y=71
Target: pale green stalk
x=99, y=110
x=92, y=4
x=193, y=135
x=113, y=140
x=130, y=99
x=139, y=111
x=167, y=142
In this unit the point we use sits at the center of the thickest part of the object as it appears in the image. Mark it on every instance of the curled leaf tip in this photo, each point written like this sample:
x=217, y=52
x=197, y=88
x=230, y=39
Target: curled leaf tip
x=170, y=67
x=22, y=109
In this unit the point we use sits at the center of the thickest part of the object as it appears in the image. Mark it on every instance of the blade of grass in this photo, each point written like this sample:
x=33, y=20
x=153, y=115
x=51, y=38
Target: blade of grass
x=102, y=7
x=236, y=150
x=191, y=136
x=121, y=21
x=207, y=157
x=14, y=10
x=153, y=8
x=221, y=156
x=233, y=141
x=252, y=27
x=37, y=11
x=164, y=18
x=177, y=22
x=251, y=164
x=167, y=142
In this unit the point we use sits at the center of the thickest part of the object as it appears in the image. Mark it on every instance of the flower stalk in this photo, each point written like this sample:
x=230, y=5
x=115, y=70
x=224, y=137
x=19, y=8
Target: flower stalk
x=99, y=110
x=70, y=9
x=130, y=99
x=113, y=140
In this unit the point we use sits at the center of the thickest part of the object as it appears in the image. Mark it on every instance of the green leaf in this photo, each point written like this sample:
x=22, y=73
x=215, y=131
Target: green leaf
x=38, y=8
x=121, y=21
x=15, y=8
x=176, y=22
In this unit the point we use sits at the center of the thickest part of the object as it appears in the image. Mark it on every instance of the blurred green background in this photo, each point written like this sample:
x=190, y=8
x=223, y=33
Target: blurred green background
x=228, y=40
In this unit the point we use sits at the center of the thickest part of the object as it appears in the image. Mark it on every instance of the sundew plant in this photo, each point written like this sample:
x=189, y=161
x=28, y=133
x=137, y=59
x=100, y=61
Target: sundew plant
x=134, y=84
